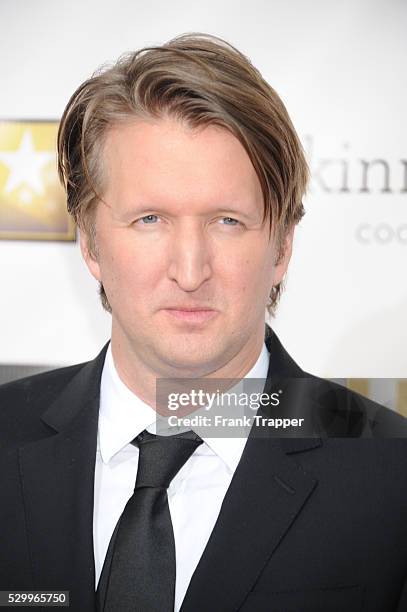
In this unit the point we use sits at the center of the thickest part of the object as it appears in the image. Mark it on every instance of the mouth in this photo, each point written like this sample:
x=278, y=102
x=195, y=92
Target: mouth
x=194, y=315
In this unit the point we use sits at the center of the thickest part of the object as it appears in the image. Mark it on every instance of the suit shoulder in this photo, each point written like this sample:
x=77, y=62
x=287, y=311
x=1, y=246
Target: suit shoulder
x=56, y=377
x=32, y=394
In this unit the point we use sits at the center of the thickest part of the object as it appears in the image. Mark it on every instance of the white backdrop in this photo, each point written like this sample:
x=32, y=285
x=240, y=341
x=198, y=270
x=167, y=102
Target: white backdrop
x=340, y=69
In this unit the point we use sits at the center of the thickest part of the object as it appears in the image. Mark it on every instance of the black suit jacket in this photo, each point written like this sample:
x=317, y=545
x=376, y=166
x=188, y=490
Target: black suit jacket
x=308, y=524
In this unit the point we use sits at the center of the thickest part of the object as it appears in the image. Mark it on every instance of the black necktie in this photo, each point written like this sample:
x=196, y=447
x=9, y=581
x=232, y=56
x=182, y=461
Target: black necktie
x=139, y=570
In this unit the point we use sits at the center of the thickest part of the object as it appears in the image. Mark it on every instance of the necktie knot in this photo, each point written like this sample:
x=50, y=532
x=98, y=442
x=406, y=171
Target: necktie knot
x=161, y=457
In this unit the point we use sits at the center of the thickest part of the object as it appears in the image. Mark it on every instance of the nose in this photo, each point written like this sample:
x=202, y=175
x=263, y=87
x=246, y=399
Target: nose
x=189, y=257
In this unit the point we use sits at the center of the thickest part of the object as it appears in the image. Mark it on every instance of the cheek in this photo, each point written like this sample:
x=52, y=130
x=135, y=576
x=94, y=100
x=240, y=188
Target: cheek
x=127, y=269
x=249, y=274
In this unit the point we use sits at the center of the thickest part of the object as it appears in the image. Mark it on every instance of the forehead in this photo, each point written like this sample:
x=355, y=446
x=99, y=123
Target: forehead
x=167, y=162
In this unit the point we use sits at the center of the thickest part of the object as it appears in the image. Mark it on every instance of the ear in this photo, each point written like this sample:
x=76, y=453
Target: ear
x=284, y=257
x=90, y=260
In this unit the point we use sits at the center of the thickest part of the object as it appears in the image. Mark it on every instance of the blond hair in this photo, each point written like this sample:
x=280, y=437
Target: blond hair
x=200, y=80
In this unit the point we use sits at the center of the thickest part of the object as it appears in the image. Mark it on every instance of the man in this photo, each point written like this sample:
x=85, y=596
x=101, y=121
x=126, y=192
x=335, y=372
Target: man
x=186, y=177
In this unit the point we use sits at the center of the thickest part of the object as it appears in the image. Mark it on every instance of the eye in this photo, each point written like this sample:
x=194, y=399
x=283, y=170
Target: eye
x=230, y=221
x=148, y=219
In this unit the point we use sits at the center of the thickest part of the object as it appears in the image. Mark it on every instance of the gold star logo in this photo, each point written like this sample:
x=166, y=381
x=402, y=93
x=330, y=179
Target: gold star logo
x=32, y=202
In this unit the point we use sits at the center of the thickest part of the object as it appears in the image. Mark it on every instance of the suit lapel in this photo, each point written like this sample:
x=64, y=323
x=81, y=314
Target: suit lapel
x=57, y=475
x=267, y=493
x=265, y=496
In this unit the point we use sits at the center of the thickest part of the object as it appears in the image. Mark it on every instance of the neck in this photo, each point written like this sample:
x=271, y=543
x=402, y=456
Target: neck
x=139, y=373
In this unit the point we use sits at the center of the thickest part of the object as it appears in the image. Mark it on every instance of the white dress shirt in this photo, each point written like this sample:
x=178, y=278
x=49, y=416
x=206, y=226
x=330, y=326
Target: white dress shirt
x=196, y=493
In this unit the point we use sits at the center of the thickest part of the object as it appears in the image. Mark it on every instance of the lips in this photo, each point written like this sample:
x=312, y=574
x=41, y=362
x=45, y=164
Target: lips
x=190, y=308
x=191, y=314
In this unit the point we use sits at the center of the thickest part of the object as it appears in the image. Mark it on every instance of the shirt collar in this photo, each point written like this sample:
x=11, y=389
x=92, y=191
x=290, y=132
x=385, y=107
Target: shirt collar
x=230, y=449
x=123, y=415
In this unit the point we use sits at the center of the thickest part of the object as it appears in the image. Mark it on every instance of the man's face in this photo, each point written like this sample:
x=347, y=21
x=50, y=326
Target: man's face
x=185, y=261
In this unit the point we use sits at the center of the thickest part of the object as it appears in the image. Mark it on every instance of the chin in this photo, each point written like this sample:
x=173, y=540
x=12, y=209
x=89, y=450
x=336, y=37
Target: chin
x=195, y=358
